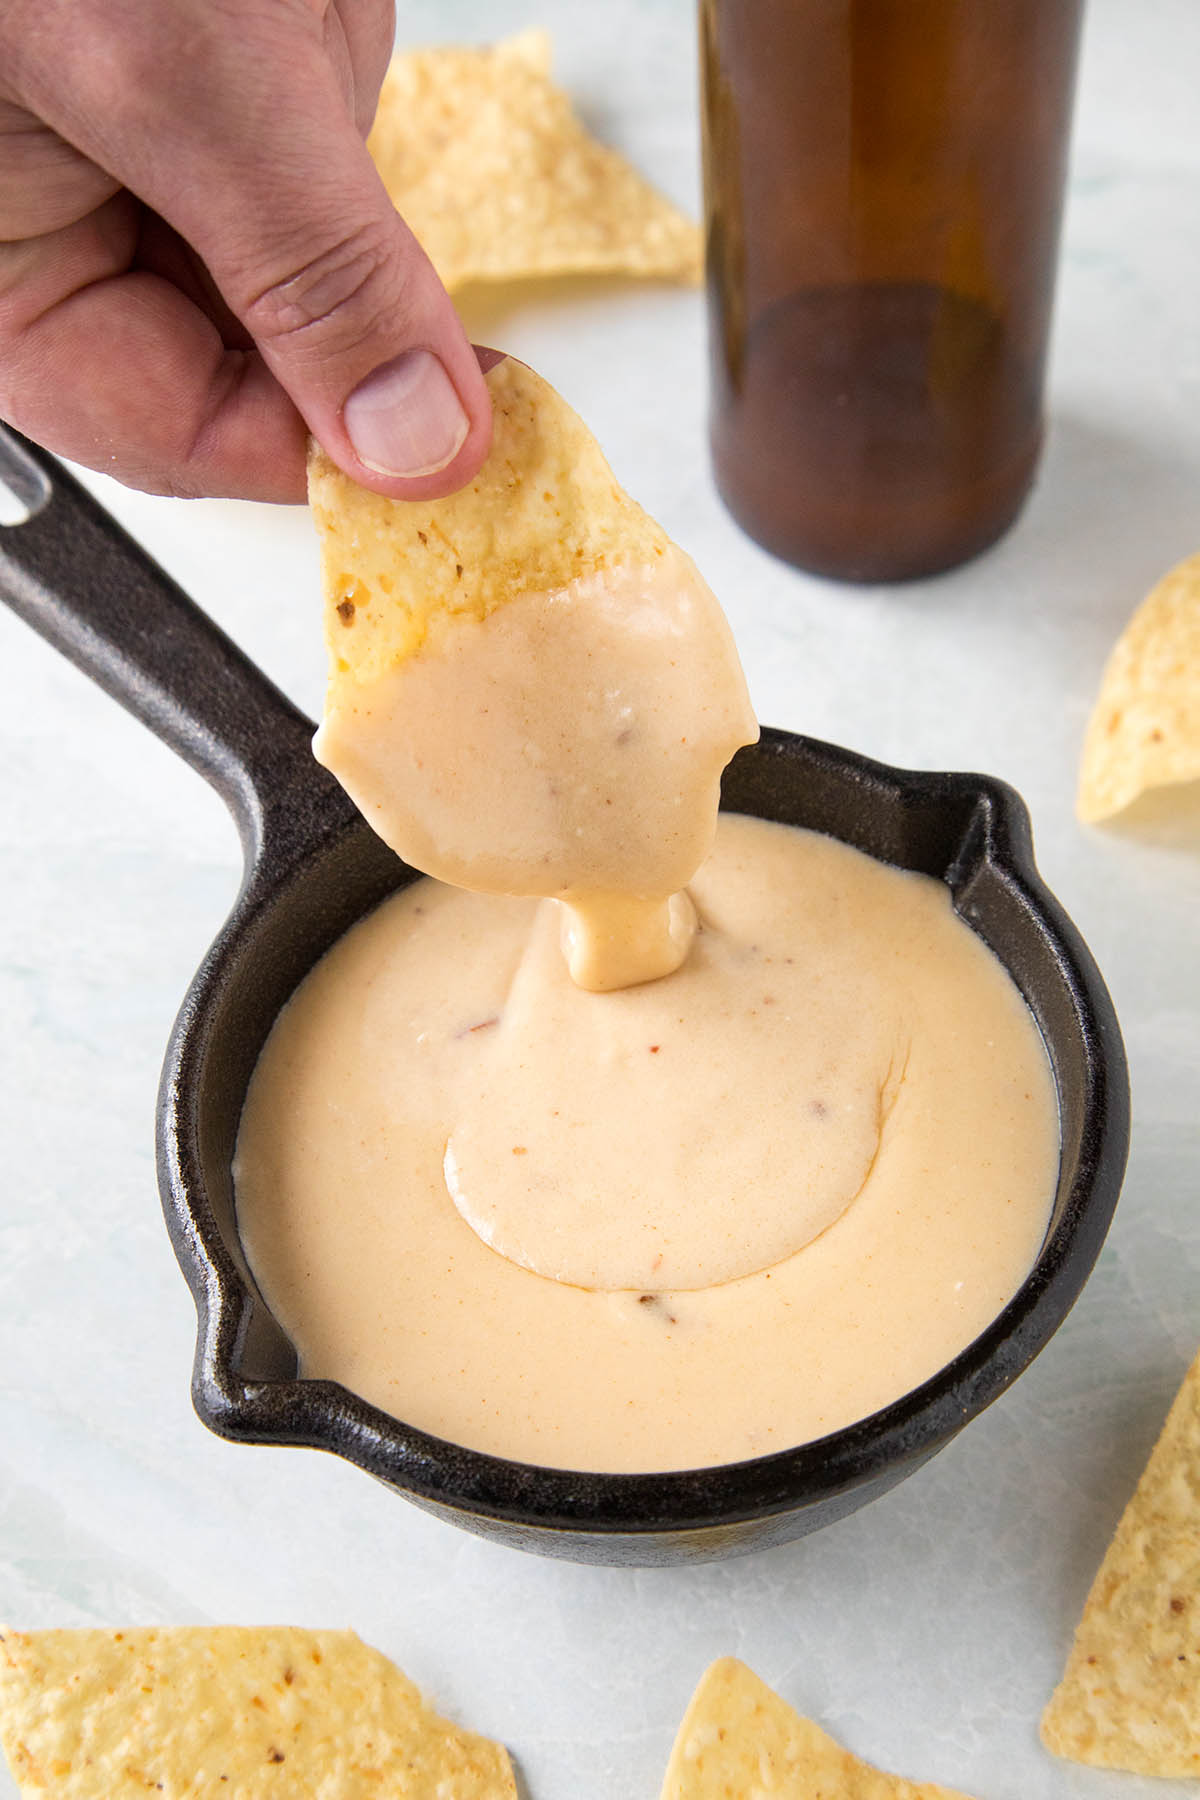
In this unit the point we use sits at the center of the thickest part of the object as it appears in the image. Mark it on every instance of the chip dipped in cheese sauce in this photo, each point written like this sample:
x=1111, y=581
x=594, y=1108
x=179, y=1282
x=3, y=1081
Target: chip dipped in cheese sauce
x=770, y=1143
x=569, y=745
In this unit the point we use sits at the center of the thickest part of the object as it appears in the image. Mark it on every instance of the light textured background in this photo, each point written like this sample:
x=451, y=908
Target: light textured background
x=928, y=1630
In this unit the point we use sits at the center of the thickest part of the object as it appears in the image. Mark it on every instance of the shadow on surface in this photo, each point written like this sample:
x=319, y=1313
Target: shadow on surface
x=1121, y=506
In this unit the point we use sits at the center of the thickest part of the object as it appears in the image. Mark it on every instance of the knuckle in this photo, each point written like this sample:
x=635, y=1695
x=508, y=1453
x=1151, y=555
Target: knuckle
x=25, y=296
x=322, y=300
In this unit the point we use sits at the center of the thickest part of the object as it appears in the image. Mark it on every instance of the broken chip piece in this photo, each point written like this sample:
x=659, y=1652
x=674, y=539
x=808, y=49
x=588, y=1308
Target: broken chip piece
x=484, y=157
x=199, y=1710
x=1144, y=730
x=1130, y=1695
x=544, y=510
x=738, y=1738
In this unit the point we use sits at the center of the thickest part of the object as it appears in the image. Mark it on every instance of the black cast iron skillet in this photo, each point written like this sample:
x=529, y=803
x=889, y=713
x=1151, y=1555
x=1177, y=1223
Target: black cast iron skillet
x=312, y=867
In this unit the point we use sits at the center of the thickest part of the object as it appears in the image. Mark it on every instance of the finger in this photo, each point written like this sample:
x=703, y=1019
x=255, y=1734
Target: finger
x=249, y=151
x=44, y=182
x=368, y=28
x=120, y=371
x=161, y=251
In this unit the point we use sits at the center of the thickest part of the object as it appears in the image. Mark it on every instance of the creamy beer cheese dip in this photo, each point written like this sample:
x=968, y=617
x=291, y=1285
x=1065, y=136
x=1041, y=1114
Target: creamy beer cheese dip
x=699, y=1218
x=570, y=744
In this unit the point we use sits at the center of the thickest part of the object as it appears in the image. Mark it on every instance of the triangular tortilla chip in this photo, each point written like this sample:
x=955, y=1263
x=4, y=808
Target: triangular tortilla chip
x=483, y=156
x=1130, y=1696
x=544, y=509
x=1144, y=730
x=739, y=1740
x=200, y=1711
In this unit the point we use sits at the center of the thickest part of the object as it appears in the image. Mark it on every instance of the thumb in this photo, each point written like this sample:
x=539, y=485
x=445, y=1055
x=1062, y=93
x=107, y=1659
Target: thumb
x=284, y=204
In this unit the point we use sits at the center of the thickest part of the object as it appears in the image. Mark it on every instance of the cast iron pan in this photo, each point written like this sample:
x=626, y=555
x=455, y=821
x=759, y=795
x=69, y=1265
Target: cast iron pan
x=312, y=867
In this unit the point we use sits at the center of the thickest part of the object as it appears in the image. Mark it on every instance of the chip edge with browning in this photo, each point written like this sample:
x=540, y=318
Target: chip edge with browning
x=103, y=1714
x=1113, y=1695
x=1143, y=732
x=733, y=1714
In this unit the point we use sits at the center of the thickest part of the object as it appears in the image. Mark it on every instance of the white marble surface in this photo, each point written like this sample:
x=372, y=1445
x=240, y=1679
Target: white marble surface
x=927, y=1630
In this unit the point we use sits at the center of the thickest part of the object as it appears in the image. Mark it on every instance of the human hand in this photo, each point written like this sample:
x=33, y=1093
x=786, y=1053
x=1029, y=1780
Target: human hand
x=199, y=263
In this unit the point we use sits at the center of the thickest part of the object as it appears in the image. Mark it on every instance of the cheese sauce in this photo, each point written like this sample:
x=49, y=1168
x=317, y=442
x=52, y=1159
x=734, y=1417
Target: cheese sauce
x=789, y=1152
x=692, y=1221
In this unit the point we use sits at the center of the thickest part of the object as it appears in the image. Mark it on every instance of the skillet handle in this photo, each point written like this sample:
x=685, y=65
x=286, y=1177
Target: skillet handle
x=69, y=570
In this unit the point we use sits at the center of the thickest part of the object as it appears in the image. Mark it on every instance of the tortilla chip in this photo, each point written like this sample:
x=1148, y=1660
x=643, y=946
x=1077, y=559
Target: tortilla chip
x=1130, y=1695
x=499, y=180
x=544, y=509
x=1145, y=728
x=739, y=1739
x=200, y=1711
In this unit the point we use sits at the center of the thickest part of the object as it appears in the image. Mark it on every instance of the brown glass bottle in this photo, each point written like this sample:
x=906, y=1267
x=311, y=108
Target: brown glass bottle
x=883, y=188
